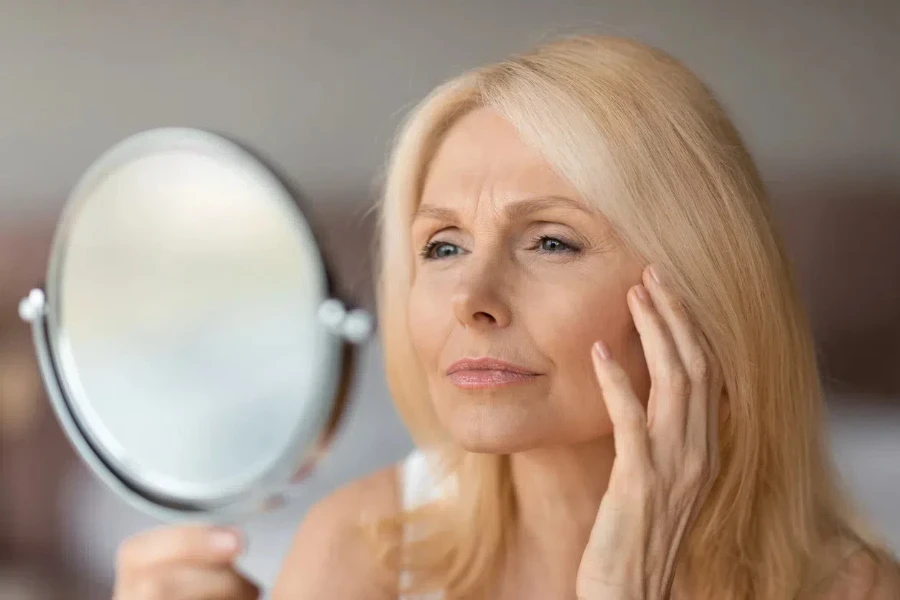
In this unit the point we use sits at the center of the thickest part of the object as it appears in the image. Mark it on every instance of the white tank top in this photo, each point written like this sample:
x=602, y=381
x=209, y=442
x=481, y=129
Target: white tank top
x=418, y=487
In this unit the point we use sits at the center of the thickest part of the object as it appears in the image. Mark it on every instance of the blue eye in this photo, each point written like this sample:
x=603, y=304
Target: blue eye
x=437, y=250
x=553, y=245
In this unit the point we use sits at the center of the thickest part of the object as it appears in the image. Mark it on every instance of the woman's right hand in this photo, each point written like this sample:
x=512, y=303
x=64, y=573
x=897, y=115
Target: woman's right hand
x=191, y=562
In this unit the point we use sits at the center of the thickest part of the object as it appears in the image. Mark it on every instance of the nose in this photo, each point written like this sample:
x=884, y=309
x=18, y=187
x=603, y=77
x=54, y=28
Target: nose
x=479, y=301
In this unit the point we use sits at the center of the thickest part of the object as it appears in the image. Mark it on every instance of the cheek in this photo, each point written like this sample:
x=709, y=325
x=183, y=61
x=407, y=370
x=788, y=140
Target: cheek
x=575, y=321
x=427, y=320
x=568, y=327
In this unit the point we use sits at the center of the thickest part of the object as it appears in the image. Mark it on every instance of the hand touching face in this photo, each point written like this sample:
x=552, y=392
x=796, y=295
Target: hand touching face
x=667, y=454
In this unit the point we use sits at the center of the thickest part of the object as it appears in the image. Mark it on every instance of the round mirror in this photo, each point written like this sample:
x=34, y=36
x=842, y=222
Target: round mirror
x=186, y=332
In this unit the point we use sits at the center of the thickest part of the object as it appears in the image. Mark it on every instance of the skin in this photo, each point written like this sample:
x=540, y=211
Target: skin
x=512, y=264
x=533, y=276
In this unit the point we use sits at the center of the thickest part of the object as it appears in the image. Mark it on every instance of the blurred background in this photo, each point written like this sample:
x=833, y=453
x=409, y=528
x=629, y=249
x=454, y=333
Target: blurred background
x=317, y=89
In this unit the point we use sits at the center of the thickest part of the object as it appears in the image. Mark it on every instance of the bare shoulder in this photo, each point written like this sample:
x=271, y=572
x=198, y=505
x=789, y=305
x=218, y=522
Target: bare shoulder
x=864, y=575
x=329, y=557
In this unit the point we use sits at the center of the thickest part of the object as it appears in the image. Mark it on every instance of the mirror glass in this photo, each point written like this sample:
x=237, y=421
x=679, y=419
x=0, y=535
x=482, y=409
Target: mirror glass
x=183, y=298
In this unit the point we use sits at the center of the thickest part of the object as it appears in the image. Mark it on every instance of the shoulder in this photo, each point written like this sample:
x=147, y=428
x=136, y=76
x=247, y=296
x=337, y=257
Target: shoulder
x=329, y=556
x=864, y=574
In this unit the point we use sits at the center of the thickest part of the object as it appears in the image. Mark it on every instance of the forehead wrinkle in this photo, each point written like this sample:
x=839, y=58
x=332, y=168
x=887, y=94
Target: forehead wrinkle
x=510, y=211
x=483, y=186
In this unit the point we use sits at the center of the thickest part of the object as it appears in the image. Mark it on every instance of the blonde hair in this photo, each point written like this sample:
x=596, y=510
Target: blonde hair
x=644, y=140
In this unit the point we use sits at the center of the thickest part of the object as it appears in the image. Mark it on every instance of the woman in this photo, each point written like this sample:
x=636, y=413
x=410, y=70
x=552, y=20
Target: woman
x=592, y=330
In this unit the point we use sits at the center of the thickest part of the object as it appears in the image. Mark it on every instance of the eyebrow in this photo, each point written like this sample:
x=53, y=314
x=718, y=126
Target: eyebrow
x=513, y=211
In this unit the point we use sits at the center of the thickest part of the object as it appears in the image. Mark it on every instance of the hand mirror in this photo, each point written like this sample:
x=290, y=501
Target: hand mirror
x=186, y=333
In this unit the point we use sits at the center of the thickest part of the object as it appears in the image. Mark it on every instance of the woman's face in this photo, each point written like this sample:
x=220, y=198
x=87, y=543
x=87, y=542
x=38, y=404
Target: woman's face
x=513, y=266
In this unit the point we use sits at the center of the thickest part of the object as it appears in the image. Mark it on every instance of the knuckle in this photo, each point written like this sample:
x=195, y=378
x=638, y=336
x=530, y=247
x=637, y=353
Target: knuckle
x=617, y=375
x=643, y=485
x=678, y=308
x=699, y=368
x=633, y=424
x=635, y=421
x=630, y=478
x=678, y=383
x=697, y=469
x=185, y=544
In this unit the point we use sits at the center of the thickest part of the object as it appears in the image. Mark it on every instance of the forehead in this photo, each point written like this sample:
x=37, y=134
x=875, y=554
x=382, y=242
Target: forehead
x=482, y=153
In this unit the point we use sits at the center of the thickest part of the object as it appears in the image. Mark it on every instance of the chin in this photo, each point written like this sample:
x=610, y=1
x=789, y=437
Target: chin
x=490, y=446
x=491, y=426
x=513, y=419
x=479, y=443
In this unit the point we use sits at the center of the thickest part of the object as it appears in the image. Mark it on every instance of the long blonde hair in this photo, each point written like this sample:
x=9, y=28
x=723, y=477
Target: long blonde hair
x=645, y=141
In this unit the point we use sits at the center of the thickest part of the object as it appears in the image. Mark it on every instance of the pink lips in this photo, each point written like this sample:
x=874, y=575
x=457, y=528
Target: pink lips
x=481, y=373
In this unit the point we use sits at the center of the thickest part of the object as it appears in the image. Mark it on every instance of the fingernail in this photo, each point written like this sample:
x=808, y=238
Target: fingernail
x=654, y=273
x=601, y=350
x=225, y=540
x=641, y=292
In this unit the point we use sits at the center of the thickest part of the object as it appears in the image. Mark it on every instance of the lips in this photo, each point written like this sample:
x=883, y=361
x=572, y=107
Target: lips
x=481, y=373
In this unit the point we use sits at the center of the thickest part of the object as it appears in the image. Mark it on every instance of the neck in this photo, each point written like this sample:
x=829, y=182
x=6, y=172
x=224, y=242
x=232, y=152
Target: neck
x=558, y=493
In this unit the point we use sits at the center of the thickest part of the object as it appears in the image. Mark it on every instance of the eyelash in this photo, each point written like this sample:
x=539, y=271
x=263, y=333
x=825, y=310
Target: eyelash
x=567, y=247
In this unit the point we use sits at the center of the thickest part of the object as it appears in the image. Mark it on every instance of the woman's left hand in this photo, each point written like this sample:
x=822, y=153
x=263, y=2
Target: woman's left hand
x=667, y=457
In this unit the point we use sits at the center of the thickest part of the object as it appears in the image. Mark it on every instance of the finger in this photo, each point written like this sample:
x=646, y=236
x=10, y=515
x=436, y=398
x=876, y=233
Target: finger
x=697, y=363
x=195, y=544
x=625, y=411
x=193, y=583
x=670, y=386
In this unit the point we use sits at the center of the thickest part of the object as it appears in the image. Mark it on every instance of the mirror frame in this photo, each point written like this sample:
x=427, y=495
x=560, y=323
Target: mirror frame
x=41, y=309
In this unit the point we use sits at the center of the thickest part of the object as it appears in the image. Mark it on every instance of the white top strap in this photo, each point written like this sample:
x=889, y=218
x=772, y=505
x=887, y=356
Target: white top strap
x=418, y=487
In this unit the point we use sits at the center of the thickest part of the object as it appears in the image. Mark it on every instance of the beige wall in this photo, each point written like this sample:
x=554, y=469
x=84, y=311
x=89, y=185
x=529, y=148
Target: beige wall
x=318, y=86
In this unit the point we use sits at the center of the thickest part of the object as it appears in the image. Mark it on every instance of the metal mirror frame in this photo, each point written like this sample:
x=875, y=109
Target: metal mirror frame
x=40, y=308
